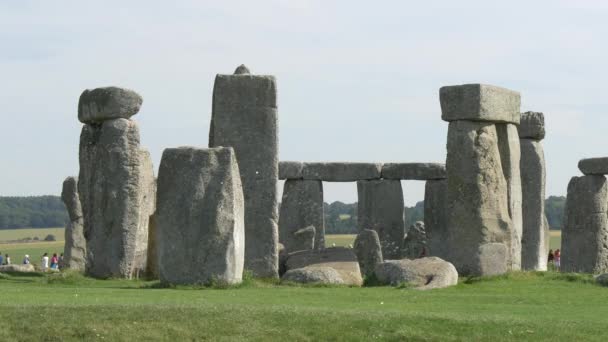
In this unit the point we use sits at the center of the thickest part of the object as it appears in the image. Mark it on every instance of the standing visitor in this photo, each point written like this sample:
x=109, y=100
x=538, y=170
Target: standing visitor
x=26, y=260
x=558, y=256
x=7, y=260
x=1, y=259
x=54, y=262
x=45, y=262
x=550, y=258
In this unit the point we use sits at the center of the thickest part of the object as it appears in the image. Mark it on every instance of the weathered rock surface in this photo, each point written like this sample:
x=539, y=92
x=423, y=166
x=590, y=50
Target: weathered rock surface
x=244, y=117
x=534, y=244
x=585, y=232
x=242, y=70
x=380, y=207
x=290, y=170
x=116, y=188
x=305, y=238
x=413, y=171
x=435, y=220
x=301, y=206
x=314, y=275
x=415, y=242
x=479, y=102
x=424, y=274
x=101, y=104
x=200, y=216
x=492, y=258
x=532, y=126
x=75, y=244
x=368, y=251
x=341, y=172
x=152, y=268
x=594, y=166
x=341, y=259
x=18, y=268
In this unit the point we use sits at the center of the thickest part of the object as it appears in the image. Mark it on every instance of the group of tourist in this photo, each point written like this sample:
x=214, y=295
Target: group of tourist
x=6, y=260
x=46, y=263
x=554, y=258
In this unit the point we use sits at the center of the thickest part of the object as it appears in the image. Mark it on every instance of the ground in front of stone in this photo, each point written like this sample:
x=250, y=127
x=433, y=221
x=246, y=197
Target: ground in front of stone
x=517, y=306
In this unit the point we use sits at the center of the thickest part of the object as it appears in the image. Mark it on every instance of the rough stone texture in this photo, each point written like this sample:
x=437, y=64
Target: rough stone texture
x=477, y=195
x=152, y=270
x=242, y=70
x=479, y=102
x=101, y=104
x=290, y=170
x=244, y=117
x=435, y=220
x=413, y=171
x=282, y=259
x=368, y=251
x=116, y=188
x=200, y=216
x=341, y=259
x=19, y=268
x=424, y=274
x=301, y=206
x=314, y=275
x=585, y=231
x=305, y=238
x=341, y=172
x=594, y=166
x=415, y=242
x=534, y=244
x=532, y=126
x=380, y=207
x=75, y=248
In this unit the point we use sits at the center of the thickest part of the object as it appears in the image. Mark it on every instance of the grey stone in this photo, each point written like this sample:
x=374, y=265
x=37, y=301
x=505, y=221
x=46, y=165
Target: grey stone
x=75, y=248
x=340, y=259
x=435, y=220
x=602, y=279
x=290, y=170
x=152, y=268
x=585, y=233
x=244, y=117
x=477, y=194
x=534, y=244
x=18, y=268
x=305, y=238
x=492, y=258
x=314, y=275
x=301, y=206
x=282, y=259
x=101, y=104
x=200, y=216
x=242, y=70
x=594, y=166
x=479, y=102
x=368, y=250
x=415, y=242
x=424, y=274
x=380, y=207
x=117, y=192
x=341, y=172
x=532, y=126
x=414, y=171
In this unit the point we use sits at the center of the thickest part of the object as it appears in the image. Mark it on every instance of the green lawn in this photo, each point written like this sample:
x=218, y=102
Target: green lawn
x=41, y=233
x=519, y=306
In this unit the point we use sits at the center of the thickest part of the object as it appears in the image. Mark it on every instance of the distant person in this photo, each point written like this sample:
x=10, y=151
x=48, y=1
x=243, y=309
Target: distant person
x=7, y=260
x=550, y=258
x=54, y=262
x=558, y=256
x=44, y=265
x=1, y=259
x=26, y=260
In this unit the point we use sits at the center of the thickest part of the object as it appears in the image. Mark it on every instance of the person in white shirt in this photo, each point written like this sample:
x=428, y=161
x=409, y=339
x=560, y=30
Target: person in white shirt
x=45, y=262
x=26, y=260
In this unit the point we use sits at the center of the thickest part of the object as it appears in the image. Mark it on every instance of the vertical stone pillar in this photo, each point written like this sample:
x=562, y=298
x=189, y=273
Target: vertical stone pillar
x=244, y=117
x=435, y=221
x=380, y=207
x=532, y=166
x=483, y=180
x=301, y=206
x=116, y=183
x=75, y=245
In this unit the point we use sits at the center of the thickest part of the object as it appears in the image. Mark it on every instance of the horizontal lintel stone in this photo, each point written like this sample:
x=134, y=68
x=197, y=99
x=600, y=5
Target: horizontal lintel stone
x=479, y=102
x=594, y=166
x=290, y=170
x=341, y=171
x=413, y=171
x=532, y=126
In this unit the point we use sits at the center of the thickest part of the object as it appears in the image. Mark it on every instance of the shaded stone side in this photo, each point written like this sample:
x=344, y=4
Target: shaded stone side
x=414, y=171
x=200, y=216
x=152, y=261
x=368, y=250
x=301, y=206
x=415, y=242
x=75, y=244
x=341, y=171
x=534, y=244
x=116, y=188
x=244, y=117
x=380, y=207
x=585, y=231
x=594, y=166
x=479, y=102
x=435, y=219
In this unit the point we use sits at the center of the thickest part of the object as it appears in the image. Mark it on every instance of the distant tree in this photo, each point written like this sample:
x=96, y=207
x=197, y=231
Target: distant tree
x=554, y=210
x=35, y=211
x=50, y=237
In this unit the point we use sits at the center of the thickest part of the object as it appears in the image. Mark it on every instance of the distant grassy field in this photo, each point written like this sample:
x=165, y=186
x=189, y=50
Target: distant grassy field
x=41, y=233
x=34, y=249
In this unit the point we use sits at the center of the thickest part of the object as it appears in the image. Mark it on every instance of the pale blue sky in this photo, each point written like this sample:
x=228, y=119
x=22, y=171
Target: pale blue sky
x=357, y=80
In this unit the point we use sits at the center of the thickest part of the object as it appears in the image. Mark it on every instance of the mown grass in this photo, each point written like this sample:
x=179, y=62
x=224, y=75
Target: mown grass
x=41, y=233
x=517, y=306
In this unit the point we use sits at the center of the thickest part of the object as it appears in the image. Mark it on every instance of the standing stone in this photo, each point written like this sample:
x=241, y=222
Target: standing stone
x=435, y=221
x=116, y=187
x=380, y=207
x=244, y=117
x=152, y=270
x=585, y=232
x=483, y=179
x=75, y=245
x=301, y=206
x=415, y=242
x=368, y=250
x=305, y=238
x=200, y=216
x=534, y=237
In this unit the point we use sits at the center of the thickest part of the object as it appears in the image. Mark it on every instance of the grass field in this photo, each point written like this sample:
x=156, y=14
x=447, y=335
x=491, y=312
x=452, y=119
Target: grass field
x=518, y=306
x=41, y=233
x=17, y=250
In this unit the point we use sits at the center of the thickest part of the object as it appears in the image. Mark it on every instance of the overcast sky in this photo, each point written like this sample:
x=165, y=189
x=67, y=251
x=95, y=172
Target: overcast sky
x=357, y=80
